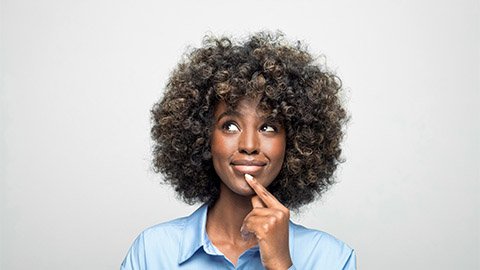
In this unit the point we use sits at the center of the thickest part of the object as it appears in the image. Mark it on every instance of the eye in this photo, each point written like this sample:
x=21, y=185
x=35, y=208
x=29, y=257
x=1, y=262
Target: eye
x=230, y=127
x=269, y=128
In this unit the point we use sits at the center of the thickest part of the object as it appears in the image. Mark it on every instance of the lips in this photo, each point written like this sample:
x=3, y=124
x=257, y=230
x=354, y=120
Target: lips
x=244, y=166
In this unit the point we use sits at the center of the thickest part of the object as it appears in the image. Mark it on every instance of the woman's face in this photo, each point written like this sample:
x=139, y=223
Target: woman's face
x=243, y=142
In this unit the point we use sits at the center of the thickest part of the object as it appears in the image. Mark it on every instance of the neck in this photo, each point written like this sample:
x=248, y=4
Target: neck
x=226, y=216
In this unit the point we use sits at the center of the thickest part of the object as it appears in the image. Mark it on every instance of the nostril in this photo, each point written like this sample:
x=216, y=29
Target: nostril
x=249, y=141
x=249, y=152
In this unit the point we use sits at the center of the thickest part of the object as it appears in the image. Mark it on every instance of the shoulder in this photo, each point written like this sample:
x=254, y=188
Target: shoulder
x=156, y=246
x=164, y=245
x=165, y=237
x=169, y=230
x=314, y=248
x=307, y=236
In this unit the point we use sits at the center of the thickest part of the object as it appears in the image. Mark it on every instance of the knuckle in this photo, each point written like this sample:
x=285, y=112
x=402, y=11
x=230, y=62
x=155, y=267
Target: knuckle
x=279, y=214
x=285, y=213
x=272, y=219
x=266, y=227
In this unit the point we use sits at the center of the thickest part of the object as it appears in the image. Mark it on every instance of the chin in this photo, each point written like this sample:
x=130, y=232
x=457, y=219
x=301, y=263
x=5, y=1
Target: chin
x=242, y=189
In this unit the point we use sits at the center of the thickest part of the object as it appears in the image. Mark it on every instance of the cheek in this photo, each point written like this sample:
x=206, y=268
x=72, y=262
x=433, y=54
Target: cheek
x=215, y=149
x=277, y=150
x=221, y=146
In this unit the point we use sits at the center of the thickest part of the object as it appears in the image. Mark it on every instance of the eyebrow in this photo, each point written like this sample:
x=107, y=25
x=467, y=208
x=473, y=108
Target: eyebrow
x=228, y=113
x=237, y=114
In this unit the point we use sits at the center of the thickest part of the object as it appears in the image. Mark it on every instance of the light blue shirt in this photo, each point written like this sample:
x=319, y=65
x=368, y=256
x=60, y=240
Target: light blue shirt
x=183, y=244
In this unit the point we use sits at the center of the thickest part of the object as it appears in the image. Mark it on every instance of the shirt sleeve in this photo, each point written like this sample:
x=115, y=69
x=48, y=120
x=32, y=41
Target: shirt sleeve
x=351, y=263
x=292, y=267
x=135, y=258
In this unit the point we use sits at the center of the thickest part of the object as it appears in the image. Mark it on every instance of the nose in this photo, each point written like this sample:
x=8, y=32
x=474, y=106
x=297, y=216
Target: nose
x=249, y=142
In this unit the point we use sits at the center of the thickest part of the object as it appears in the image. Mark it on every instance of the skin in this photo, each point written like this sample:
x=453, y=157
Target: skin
x=246, y=214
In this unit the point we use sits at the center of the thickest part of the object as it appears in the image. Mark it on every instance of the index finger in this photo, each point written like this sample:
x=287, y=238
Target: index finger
x=262, y=192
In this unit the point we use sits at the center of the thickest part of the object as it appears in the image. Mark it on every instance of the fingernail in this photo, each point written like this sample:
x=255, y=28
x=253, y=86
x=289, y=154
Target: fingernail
x=248, y=177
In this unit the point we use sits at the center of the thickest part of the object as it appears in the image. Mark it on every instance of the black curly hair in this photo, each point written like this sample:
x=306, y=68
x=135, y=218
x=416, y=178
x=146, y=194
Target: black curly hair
x=291, y=86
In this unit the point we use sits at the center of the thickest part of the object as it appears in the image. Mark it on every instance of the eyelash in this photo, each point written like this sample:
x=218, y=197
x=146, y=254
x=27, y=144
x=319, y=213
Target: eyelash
x=275, y=129
x=226, y=126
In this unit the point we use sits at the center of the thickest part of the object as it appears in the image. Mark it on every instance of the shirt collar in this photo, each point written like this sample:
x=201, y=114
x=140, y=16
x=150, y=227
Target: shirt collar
x=195, y=234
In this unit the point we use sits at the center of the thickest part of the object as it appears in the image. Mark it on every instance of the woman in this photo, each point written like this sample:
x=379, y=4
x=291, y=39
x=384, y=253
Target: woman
x=250, y=129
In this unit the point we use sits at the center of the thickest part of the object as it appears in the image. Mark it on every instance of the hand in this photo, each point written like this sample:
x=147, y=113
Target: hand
x=268, y=221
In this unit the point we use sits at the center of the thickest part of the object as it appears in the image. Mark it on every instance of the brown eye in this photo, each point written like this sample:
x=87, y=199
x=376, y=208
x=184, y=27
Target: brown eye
x=230, y=127
x=269, y=128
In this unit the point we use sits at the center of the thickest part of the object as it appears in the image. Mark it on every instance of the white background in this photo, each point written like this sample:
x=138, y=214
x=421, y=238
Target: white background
x=78, y=79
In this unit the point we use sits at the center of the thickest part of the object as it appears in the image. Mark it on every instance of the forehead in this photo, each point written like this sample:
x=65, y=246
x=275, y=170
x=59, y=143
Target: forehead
x=244, y=106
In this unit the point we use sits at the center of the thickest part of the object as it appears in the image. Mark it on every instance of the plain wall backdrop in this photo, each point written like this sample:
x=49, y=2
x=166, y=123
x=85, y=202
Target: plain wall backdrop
x=78, y=79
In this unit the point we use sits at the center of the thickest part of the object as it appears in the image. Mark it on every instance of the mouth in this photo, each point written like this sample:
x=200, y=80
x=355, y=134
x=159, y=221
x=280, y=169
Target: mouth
x=252, y=167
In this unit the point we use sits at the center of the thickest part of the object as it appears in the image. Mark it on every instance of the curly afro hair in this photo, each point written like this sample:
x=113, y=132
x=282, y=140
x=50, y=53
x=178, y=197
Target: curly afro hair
x=291, y=87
